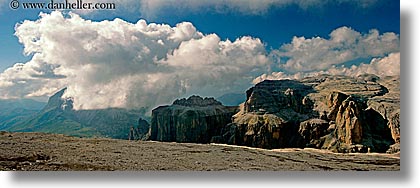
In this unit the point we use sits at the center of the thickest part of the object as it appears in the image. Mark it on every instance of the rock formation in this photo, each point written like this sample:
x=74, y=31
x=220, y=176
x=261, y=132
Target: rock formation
x=338, y=113
x=388, y=106
x=190, y=120
x=140, y=132
x=311, y=131
x=268, y=116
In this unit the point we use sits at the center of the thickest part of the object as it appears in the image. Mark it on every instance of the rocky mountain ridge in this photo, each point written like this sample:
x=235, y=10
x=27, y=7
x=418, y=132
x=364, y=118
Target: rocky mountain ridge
x=338, y=113
x=58, y=116
x=14, y=110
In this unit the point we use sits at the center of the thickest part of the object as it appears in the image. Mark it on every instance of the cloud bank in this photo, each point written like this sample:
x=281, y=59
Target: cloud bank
x=120, y=64
x=130, y=65
x=344, y=45
x=342, y=54
x=385, y=66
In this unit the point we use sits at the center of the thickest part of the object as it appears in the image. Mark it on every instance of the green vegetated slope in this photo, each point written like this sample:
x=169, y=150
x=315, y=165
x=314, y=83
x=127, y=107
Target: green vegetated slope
x=13, y=111
x=58, y=116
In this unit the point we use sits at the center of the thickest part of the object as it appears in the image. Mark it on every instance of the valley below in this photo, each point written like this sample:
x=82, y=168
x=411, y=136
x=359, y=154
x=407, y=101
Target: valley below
x=57, y=152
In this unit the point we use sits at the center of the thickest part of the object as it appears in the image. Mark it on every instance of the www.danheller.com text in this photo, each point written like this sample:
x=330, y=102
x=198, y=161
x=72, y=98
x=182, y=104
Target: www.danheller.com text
x=63, y=5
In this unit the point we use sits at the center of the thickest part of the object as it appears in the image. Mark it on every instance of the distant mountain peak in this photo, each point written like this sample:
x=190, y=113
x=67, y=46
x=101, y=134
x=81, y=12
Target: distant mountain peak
x=58, y=116
x=195, y=100
x=57, y=101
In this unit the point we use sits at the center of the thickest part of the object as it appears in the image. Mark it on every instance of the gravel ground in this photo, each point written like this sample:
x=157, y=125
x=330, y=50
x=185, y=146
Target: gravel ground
x=45, y=152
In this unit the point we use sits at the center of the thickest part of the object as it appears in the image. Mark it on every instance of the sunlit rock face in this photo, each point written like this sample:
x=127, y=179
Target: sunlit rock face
x=190, y=120
x=338, y=113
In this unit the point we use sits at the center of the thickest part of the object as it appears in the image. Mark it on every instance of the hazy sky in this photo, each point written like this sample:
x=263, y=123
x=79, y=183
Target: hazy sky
x=150, y=52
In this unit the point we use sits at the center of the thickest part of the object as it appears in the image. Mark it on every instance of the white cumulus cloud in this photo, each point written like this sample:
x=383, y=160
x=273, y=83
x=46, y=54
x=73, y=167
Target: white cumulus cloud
x=385, y=66
x=120, y=64
x=344, y=45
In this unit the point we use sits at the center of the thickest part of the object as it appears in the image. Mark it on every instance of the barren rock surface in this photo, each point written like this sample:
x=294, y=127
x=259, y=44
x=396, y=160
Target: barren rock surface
x=359, y=114
x=40, y=151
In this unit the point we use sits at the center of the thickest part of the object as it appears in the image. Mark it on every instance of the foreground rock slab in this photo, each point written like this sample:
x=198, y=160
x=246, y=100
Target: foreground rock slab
x=40, y=151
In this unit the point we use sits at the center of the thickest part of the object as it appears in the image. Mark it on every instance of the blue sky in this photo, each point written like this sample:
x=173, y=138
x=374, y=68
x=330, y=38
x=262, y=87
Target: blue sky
x=275, y=26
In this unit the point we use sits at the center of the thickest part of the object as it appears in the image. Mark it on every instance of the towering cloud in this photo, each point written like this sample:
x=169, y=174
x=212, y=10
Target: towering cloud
x=120, y=64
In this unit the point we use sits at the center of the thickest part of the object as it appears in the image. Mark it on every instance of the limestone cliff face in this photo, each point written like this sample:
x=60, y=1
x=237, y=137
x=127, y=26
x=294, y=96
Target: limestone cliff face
x=311, y=132
x=394, y=125
x=354, y=127
x=274, y=96
x=348, y=121
x=268, y=116
x=190, y=120
x=338, y=113
x=388, y=106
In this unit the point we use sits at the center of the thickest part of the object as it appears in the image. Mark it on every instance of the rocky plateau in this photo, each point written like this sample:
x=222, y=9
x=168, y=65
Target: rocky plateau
x=337, y=113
